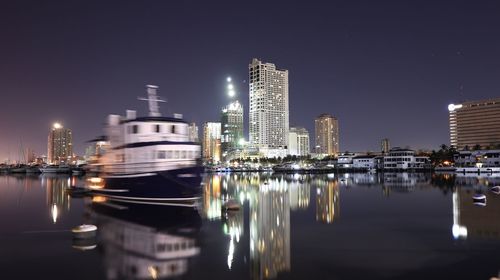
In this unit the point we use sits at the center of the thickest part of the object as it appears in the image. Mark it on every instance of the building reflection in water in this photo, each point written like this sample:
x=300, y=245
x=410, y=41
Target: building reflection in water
x=144, y=241
x=300, y=191
x=403, y=182
x=269, y=200
x=270, y=229
x=471, y=221
x=327, y=200
x=57, y=198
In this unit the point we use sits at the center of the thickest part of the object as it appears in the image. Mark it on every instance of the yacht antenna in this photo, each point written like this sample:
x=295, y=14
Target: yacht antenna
x=153, y=99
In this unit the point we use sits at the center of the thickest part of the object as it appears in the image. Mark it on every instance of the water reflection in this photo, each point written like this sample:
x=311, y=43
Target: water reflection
x=469, y=220
x=146, y=242
x=327, y=201
x=57, y=198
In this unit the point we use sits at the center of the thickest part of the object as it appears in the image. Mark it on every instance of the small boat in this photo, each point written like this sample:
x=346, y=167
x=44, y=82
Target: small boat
x=231, y=205
x=18, y=169
x=479, y=199
x=55, y=169
x=84, y=231
x=495, y=189
x=33, y=169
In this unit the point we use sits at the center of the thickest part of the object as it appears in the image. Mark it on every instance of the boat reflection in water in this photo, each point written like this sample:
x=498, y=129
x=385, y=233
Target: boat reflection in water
x=145, y=241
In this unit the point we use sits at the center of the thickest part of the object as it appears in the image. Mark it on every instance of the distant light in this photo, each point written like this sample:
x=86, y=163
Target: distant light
x=230, y=86
x=232, y=93
x=57, y=125
x=228, y=79
x=452, y=107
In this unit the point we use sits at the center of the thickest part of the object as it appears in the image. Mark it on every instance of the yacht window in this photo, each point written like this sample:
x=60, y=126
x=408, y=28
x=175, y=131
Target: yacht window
x=176, y=154
x=161, y=155
x=173, y=129
x=156, y=128
x=135, y=129
x=161, y=248
x=169, y=154
x=183, y=154
x=169, y=247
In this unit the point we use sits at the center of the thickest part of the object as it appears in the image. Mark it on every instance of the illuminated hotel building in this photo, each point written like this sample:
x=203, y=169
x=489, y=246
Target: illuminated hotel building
x=60, y=144
x=193, y=132
x=327, y=134
x=298, y=141
x=475, y=123
x=211, y=141
x=232, y=127
x=269, y=115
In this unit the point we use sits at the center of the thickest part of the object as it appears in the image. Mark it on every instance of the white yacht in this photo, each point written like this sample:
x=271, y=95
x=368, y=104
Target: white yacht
x=149, y=159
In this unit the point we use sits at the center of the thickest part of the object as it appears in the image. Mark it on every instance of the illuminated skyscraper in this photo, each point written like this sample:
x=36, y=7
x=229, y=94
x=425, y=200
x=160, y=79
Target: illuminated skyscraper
x=269, y=115
x=193, y=132
x=60, y=144
x=327, y=134
x=232, y=127
x=298, y=141
x=211, y=141
x=385, y=145
x=475, y=123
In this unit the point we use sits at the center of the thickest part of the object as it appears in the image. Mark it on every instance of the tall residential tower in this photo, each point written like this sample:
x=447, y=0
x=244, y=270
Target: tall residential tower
x=60, y=144
x=269, y=115
x=327, y=134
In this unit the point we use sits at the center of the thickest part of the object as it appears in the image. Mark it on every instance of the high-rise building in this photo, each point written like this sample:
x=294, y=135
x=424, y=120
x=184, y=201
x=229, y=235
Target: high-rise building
x=475, y=123
x=327, y=134
x=211, y=141
x=269, y=115
x=60, y=144
x=232, y=127
x=385, y=145
x=193, y=132
x=298, y=141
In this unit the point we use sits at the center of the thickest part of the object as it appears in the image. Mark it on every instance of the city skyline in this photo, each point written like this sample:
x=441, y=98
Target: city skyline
x=386, y=70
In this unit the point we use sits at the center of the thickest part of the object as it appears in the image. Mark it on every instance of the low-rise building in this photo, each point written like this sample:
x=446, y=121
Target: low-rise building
x=364, y=162
x=404, y=159
x=480, y=158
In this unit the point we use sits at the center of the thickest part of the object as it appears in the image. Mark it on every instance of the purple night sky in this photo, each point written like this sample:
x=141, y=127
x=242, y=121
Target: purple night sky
x=384, y=68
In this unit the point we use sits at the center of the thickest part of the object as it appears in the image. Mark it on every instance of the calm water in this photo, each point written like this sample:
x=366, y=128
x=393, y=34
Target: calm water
x=352, y=226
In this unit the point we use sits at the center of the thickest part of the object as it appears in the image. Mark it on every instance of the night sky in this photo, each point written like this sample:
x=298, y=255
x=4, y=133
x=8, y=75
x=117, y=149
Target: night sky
x=384, y=68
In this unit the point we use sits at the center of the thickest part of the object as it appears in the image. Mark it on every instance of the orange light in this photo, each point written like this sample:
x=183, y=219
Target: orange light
x=95, y=180
x=98, y=199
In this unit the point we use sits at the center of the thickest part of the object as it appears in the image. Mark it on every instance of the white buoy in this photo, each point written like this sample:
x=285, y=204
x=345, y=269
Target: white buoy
x=84, y=231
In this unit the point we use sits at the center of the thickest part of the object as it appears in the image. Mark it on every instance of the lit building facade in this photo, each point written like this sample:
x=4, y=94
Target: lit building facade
x=327, y=134
x=211, y=141
x=193, y=133
x=298, y=141
x=385, y=145
x=60, y=144
x=232, y=127
x=269, y=114
x=475, y=123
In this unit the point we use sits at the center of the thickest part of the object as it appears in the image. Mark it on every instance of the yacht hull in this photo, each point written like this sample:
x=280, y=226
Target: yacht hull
x=179, y=186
